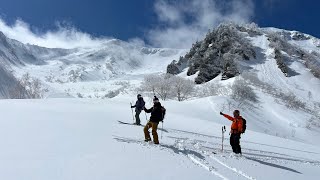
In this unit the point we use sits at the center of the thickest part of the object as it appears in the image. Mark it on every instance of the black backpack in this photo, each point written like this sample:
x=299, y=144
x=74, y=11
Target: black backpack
x=244, y=125
x=163, y=110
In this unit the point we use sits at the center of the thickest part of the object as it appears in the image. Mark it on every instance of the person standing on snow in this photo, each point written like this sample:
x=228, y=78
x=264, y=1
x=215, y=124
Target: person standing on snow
x=139, y=107
x=236, y=130
x=157, y=115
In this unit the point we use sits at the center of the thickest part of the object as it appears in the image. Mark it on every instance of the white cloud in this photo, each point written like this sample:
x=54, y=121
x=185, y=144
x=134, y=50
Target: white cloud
x=63, y=37
x=180, y=23
x=137, y=42
x=183, y=22
x=167, y=13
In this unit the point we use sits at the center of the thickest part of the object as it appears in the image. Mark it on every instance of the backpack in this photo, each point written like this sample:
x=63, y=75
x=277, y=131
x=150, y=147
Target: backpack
x=244, y=125
x=163, y=111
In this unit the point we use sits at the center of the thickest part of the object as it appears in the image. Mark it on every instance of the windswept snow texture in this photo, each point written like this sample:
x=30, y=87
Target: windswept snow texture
x=82, y=139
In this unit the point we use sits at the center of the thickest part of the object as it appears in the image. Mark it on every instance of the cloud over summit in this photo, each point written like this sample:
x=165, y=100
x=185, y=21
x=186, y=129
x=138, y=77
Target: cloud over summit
x=63, y=37
x=182, y=22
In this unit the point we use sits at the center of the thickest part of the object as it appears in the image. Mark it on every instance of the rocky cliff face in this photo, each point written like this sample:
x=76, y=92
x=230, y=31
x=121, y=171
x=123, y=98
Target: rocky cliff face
x=224, y=48
x=217, y=53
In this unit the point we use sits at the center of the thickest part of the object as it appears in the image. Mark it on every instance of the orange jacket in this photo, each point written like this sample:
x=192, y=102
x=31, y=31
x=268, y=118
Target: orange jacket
x=237, y=123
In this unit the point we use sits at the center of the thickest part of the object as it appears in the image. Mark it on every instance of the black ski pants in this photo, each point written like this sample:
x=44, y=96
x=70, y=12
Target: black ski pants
x=138, y=116
x=235, y=142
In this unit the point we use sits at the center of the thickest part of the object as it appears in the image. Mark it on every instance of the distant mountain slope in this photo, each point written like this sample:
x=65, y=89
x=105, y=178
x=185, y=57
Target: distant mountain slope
x=287, y=60
x=16, y=53
x=9, y=85
x=60, y=69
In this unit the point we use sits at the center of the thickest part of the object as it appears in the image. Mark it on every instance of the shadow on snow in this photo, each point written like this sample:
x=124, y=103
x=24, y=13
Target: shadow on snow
x=273, y=165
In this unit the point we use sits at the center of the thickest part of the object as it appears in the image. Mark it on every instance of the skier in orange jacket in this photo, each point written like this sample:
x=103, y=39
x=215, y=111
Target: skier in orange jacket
x=236, y=130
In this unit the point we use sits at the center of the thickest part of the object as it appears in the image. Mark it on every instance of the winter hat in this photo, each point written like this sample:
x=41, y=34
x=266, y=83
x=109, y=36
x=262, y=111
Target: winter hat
x=139, y=95
x=236, y=112
x=155, y=99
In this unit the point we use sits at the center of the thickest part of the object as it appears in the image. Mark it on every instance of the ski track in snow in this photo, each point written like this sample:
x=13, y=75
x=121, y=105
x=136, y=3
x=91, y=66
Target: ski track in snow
x=236, y=171
x=203, y=150
x=196, y=145
x=232, y=168
x=265, y=155
x=206, y=167
x=195, y=152
x=198, y=152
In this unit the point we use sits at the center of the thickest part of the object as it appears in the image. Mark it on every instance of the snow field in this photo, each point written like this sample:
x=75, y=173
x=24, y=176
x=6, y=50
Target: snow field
x=82, y=139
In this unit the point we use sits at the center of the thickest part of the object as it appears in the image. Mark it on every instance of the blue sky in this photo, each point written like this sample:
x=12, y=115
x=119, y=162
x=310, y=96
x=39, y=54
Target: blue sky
x=155, y=21
x=119, y=18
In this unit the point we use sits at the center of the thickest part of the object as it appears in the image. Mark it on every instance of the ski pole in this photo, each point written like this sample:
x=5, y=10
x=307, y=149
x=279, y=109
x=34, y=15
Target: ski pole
x=222, y=139
x=223, y=131
x=132, y=112
x=146, y=117
x=162, y=130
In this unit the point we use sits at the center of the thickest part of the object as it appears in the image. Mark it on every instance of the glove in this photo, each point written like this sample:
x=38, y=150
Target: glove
x=221, y=113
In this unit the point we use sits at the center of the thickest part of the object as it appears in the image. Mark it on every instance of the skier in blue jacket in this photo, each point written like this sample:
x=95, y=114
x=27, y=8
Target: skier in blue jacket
x=138, y=108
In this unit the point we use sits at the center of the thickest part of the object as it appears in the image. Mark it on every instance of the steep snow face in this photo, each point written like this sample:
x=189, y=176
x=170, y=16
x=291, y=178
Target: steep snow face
x=95, y=71
x=15, y=53
x=300, y=82
x=8, y=84
x=68, y=72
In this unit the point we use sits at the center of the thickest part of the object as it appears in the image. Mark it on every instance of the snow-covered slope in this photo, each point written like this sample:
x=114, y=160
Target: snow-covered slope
x=86, y=70
x=82, y=139
x=7, y=81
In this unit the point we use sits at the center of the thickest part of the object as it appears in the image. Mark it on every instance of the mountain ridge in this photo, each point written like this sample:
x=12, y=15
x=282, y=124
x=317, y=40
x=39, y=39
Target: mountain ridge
x=222, y=49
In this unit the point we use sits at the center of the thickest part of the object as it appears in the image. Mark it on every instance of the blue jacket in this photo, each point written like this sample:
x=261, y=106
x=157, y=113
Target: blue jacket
x=139, y=104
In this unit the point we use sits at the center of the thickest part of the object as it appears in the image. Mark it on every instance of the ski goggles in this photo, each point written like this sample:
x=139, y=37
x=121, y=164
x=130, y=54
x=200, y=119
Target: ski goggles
x=155, y=101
